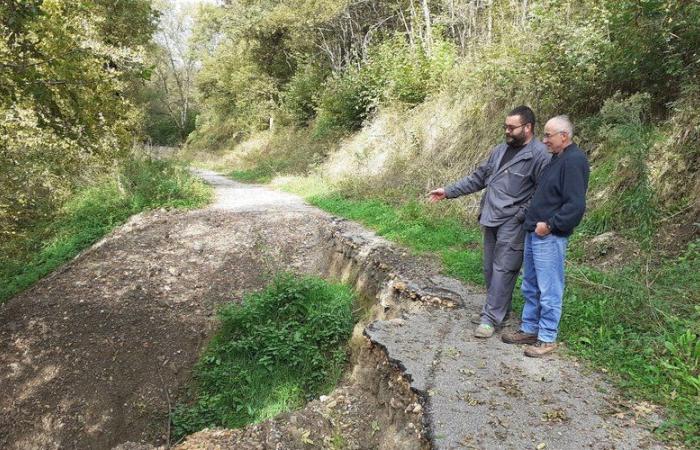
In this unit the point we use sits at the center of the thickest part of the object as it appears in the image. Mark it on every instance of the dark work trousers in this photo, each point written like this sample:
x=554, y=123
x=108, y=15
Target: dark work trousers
x=503, y=256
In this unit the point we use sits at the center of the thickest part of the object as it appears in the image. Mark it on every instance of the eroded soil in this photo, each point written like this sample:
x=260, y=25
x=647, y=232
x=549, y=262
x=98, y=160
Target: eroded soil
x=86, y=355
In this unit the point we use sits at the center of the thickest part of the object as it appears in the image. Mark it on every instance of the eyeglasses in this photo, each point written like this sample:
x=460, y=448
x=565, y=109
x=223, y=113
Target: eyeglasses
x=550, y=135
x=511, y=128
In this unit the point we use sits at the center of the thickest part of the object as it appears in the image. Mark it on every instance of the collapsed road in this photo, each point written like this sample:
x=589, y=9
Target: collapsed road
x=95, y=355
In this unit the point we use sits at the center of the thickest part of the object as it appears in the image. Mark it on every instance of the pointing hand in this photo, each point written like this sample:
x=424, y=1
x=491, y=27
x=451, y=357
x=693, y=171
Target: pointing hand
x=437, y=195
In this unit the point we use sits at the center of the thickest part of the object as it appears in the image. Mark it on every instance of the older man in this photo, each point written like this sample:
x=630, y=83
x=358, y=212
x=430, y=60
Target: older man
x=509, y=176
x=556, y=208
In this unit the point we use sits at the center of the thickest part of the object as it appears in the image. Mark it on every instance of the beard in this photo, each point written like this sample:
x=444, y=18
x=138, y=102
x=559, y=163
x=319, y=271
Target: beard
x=515, y=140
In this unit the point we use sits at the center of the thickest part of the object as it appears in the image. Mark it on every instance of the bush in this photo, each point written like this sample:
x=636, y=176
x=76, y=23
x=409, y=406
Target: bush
x=275, y=350
x=407, y=74
x=300, y=98
x=395, y=71
x=151, y=183
x=344, y=103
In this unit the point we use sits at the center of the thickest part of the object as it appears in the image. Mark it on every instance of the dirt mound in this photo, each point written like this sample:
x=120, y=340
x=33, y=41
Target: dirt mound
x=610, y=250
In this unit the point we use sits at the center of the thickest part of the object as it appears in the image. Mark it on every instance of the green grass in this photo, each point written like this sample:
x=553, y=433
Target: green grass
x=644, y=328
x=92, y=213
x=413, y=226
x=641, y=326
x=273, y=352
x=628, y=203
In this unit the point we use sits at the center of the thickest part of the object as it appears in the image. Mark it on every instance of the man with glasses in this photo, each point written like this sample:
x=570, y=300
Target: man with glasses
x=556, y=208
x=509, y=175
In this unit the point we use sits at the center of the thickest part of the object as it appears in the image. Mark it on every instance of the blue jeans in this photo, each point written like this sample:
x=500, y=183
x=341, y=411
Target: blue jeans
x=543, y=285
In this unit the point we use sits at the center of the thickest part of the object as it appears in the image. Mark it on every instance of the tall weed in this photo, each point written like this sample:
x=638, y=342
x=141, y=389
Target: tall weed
x=625, y=200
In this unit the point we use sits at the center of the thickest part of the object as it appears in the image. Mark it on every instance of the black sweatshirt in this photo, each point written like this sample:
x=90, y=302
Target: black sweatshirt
x=511, y=151
x=560, y=197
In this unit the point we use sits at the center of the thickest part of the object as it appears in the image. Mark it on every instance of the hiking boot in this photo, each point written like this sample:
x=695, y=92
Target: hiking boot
x=518, y=337
x=539, y=349
x=484, y=330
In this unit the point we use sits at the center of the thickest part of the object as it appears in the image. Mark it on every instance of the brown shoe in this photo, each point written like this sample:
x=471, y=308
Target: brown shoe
x=539, y=349
x=519, y=337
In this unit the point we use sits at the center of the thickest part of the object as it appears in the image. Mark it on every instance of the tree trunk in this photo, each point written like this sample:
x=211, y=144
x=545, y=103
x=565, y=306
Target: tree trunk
x=415, y=20
x=489, y=33
x=428, y=42
x=409, y=30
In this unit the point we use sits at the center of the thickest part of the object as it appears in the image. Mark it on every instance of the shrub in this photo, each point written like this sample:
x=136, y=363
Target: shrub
x=395, y=71
x=405, y=73
x=151, y=183
x=300, y=97
x=275, y=350
x=344, y=103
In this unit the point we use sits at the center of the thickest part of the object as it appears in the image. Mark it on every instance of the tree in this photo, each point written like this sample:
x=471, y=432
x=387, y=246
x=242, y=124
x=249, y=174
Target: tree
x=175, y=64
x=66, y=111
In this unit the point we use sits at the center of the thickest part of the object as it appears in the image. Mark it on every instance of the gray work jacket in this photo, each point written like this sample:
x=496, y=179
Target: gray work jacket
x=508, y=188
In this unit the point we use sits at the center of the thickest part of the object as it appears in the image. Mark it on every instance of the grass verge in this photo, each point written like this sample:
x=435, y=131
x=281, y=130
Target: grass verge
x=273, y=352
x=140, y=184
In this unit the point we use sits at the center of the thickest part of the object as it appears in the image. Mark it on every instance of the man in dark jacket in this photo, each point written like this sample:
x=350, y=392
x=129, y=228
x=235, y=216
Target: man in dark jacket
x=556, y=209
x=509, y=176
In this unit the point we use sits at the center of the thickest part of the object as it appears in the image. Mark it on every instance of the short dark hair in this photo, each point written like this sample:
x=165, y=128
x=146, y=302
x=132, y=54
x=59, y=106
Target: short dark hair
x=525, y=113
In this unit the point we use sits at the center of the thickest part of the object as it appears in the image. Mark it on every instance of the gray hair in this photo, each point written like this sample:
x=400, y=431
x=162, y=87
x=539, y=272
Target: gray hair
x=565, y=125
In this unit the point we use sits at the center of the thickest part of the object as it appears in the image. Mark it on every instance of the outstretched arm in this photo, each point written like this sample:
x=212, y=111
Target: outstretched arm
x=471, y=183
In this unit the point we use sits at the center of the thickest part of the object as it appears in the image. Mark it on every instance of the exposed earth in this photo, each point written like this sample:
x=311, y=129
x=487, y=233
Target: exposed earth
x=96, y=354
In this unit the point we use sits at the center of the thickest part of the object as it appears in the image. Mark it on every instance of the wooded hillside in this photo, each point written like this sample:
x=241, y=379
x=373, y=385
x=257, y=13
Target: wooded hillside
x=625, y=71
